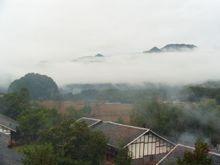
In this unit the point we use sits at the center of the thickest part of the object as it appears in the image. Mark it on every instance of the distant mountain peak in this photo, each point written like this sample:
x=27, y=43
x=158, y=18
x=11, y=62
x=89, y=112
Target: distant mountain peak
x=87, y=59
x=178, y=47
x=153, y=50
x=99, y=55
x=172, y=48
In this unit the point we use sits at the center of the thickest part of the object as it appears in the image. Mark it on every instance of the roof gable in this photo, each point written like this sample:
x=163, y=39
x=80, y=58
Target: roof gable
x=8, y=123
x=89, y=121
x=178, y=152
x=119, y=134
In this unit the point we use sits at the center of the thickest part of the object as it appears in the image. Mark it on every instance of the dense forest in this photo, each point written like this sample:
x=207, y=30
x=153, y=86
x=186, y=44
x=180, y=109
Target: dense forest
x=39, y=86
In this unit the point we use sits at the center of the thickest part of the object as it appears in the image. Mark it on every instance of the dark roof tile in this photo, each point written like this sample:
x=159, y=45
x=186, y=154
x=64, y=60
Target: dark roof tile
x=89, y=121
x=178, y=152
x=8, y=122
x=118, y=134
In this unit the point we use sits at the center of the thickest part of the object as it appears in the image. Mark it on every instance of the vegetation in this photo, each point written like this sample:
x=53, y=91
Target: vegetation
x=14, y=104
x=66, y=142
x=159, y=116
x=69, y=143
x=123, y=157
x=39, y=155
x=72, y=113
x=200, y=92
x=75, y=143
x=39, y=86
x=198, y=157
x=201, y=119
x=47, y=137
x=33, y=121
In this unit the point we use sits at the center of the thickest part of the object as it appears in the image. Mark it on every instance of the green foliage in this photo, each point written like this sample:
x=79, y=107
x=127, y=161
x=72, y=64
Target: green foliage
x=33, y=121
x=120, y=120
x=122, y=93
x=72, y=113
x=123, y=157
x=39, y=86
x=200, y=119
x=39, y=155
x=159, y=116
x=14, y=104
x=198, y=157
x=199, y=92
x=74, y=142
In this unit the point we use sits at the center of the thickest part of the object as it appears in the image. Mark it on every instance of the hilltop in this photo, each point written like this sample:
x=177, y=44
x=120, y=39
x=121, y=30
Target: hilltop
x=39, y=86
x=172, y=48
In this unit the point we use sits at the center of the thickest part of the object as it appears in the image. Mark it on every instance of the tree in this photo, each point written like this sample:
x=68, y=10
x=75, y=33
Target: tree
x=14, y=104
x=39, y=155
x=74, y=142
x=120, y=120
x=198, y=157
x=123, y=157
x=39, y=86
x=33, y=121
x=157, y=115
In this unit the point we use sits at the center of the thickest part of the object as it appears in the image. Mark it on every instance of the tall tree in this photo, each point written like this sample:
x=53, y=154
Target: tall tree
x=14, y=104
x=123, y=157
x=39, y=155
x=74, y=142
x=198, y=157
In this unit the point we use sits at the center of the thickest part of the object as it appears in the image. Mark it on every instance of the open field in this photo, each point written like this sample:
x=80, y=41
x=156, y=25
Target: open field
x=104, y=111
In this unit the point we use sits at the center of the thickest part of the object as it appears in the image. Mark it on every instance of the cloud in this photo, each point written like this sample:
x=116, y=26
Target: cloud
x=59, y=31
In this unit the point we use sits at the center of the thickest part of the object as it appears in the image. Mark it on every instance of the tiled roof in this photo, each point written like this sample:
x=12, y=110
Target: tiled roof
x=119, y=135
x=8, y=122
x=178, y=152
x=89, y=121
x=8, y=156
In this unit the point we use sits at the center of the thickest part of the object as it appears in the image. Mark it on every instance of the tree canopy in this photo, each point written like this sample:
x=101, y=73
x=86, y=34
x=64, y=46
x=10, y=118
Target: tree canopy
x=75, y=143
x=198, y=157
x=39, y=86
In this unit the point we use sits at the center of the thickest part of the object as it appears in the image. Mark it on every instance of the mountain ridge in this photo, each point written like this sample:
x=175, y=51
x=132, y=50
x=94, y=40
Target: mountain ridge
x=172, y=48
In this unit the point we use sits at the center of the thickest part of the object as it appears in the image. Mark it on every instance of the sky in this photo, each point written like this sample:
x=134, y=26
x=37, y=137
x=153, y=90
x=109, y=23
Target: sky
x=46, y=36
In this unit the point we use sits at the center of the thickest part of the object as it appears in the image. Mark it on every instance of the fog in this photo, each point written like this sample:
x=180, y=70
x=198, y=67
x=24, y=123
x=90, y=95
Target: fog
x=47, y=36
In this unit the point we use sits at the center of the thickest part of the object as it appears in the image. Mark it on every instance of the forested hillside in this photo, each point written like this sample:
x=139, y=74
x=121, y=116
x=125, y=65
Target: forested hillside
x=39, y=86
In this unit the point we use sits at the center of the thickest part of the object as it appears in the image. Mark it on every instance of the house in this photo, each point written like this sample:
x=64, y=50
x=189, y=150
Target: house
x=178, y=152
x=7, y=125
x=144, y=145
x=7, y=130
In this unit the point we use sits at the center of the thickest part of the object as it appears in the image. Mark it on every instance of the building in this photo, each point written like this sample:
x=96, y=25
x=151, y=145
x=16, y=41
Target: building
x=178, y=152
x=7, y=125
x=144, y=145
x=7, y=130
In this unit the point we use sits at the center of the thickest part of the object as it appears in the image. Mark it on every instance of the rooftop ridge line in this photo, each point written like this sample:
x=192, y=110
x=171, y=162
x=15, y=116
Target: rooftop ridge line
x=213, y=153
x=161, y=160
x=89, y=118
x=141, y=128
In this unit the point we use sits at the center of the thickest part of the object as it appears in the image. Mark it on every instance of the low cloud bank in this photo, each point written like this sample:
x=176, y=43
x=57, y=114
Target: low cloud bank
x=171, y=68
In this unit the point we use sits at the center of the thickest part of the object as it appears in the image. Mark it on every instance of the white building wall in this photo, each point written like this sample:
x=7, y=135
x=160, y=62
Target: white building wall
x=148, y=145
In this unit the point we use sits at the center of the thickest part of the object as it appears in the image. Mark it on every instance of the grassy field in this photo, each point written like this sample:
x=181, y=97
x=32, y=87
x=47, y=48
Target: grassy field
x=104, y=111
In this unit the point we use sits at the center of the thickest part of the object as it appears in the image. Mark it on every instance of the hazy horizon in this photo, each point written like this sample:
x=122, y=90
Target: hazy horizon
x=46, y=36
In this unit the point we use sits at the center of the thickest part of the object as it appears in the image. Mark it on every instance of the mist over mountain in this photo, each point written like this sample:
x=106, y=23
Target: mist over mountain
x=87, y=59
x=47, y=36
x=172, y=48
x=172, y=68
